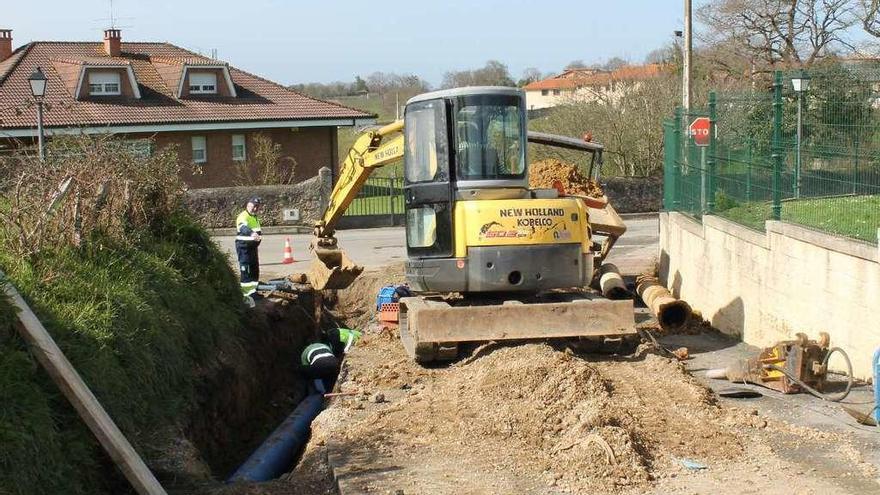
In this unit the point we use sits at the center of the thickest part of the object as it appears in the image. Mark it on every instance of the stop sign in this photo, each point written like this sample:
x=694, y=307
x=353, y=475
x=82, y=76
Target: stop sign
x=699, y=130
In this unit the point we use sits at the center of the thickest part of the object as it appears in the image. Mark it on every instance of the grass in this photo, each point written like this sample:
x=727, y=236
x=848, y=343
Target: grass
x=138, y=322
x=851, y=216
x=375, y=205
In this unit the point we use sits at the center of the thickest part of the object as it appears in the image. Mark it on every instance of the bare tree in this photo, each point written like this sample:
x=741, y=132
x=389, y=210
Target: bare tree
x=529, y=76
x=494, y=73
x=869, y=10
x=576, y=64
x=780, y=32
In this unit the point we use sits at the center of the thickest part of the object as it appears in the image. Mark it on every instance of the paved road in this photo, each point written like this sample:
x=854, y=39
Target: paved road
x=374, y=248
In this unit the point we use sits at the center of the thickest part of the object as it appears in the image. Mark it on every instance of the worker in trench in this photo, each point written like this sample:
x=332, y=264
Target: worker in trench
x=321, y=360
x=247, y=242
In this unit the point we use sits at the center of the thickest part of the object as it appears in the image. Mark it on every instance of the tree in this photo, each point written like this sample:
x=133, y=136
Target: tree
x=614, y=63
x=266, y=165
x=576, y=64
x=529, y=76
x=629, y=125
x=869, y=14
x=360, y=86
x=780, y=32
x=494, y=73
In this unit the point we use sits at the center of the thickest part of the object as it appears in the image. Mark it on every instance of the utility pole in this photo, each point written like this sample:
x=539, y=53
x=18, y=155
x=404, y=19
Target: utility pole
x=686, y=61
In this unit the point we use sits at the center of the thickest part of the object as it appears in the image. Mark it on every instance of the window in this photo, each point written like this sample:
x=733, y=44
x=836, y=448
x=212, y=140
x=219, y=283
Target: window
x=545, y=92
x=199, y=149
x=104, y=84
x=202, y=83
x=426, y=154
x=239, y=152
x=489, y=138
x=421, y=227
x=556, y=92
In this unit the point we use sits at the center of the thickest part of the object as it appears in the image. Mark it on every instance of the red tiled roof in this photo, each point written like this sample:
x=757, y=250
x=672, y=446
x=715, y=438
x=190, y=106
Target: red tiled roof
x=258, y=99
x=575, y=78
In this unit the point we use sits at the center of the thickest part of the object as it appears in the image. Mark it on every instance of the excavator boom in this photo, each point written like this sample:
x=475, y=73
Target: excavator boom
x=332, y=268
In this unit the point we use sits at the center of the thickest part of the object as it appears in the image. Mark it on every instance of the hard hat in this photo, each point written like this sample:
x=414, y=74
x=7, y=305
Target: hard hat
x=256, y=200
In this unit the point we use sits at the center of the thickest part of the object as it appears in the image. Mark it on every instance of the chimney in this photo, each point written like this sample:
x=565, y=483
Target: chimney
x=113, y=42
x=5, y=43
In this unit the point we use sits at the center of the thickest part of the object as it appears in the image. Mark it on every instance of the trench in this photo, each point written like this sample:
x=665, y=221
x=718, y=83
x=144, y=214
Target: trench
x=250, y=390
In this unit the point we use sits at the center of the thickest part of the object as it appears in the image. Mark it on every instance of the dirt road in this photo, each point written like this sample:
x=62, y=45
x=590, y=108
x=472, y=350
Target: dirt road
x=546, y=419
x=539, y=419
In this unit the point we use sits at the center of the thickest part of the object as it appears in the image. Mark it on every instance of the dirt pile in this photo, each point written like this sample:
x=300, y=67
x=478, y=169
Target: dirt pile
x=543, y=174
x=542, y=416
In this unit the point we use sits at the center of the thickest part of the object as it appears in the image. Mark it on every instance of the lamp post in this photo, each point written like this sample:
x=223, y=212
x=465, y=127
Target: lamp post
x=38, y=90
x=800, y=84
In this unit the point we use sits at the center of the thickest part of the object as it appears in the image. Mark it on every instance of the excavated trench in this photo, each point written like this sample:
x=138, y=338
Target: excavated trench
x=243, y=396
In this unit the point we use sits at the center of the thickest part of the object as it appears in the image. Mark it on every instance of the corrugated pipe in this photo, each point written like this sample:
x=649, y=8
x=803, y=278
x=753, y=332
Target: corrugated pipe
x=672, y=313
x=611, y=283
x=276, y=454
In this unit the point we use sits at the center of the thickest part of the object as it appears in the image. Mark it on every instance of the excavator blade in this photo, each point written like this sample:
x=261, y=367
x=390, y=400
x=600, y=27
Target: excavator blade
x=431, y=330
x=332, y=269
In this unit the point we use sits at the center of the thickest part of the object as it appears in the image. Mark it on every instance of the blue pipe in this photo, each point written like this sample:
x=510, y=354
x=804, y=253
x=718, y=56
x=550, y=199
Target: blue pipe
x=275, y=456
x=876, y=363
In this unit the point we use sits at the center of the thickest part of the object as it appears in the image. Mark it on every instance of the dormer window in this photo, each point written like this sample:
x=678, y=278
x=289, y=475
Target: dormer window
x=104, y=84
x=202, y=83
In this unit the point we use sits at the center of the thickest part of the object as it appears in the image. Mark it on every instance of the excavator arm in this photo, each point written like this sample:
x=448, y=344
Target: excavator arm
x=332, y=268
x=370, y=151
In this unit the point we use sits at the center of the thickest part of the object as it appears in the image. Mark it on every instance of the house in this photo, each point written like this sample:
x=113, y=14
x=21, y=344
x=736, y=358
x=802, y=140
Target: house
x=158, y=94
x=587, y=85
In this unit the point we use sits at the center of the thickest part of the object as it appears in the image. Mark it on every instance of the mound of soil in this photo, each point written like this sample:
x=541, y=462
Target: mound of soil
x=532, y=415
x=543, y=174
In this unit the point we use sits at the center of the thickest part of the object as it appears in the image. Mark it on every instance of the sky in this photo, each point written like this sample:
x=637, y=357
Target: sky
x=321, y=41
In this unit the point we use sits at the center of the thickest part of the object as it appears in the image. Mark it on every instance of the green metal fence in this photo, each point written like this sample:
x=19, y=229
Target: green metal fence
x=810, y=157
x=379, y=196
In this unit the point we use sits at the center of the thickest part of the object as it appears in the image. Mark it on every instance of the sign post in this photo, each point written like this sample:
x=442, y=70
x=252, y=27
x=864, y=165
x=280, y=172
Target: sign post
x=700, y=132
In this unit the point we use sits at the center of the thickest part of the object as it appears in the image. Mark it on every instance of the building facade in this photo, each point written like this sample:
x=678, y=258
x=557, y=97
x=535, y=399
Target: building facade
x=587, y=85
x=158, y=94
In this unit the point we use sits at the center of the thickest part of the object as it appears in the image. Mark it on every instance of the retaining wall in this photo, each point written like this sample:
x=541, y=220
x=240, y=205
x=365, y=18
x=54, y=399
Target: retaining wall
x=767, y=286
x=217, y=207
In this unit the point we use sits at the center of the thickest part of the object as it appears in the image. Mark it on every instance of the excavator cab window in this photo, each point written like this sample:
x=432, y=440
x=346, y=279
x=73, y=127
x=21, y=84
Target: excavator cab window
x=489, y=137
x=423, y=141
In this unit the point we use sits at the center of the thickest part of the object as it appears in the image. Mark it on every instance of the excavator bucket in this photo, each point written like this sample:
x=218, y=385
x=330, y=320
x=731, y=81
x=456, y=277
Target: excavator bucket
x=332, y=269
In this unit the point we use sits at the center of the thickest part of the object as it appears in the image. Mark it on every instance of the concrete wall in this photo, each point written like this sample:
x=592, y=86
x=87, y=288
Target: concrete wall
x=768, y=286
x=217, y=207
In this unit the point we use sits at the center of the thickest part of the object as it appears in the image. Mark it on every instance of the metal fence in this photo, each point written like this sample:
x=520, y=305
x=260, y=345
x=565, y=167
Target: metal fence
x=809, y=156
x=379, y=196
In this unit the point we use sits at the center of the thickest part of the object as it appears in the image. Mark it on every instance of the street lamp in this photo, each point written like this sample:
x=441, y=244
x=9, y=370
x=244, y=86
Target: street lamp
x=800, y=84
x=38, y=90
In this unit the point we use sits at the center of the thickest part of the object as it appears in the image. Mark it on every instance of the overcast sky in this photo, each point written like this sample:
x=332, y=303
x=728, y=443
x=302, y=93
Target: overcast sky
x=301, y=41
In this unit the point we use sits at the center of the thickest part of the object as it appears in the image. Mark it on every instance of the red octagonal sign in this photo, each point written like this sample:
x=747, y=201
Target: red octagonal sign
x=699, y=130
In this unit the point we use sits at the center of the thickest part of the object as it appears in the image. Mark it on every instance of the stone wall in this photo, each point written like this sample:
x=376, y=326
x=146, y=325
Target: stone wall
x=634, y=194
x=767, y=286
x=218, y=207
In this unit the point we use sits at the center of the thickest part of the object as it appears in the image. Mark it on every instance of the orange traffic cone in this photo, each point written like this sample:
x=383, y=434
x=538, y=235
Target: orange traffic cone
x=288, y=253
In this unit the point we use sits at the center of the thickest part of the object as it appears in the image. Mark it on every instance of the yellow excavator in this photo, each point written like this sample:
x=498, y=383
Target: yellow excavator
x=487, y=257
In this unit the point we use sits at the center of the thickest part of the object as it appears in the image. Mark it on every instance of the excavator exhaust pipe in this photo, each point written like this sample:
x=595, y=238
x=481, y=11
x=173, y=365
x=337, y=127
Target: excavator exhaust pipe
x=332, y=269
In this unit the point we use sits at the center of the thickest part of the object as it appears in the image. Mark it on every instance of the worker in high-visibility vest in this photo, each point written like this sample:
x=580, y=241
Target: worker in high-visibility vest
x=247, y=241
x=322, y=360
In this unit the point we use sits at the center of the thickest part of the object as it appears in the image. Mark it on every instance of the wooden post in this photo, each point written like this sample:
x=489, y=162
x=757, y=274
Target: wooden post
x=86, y=404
